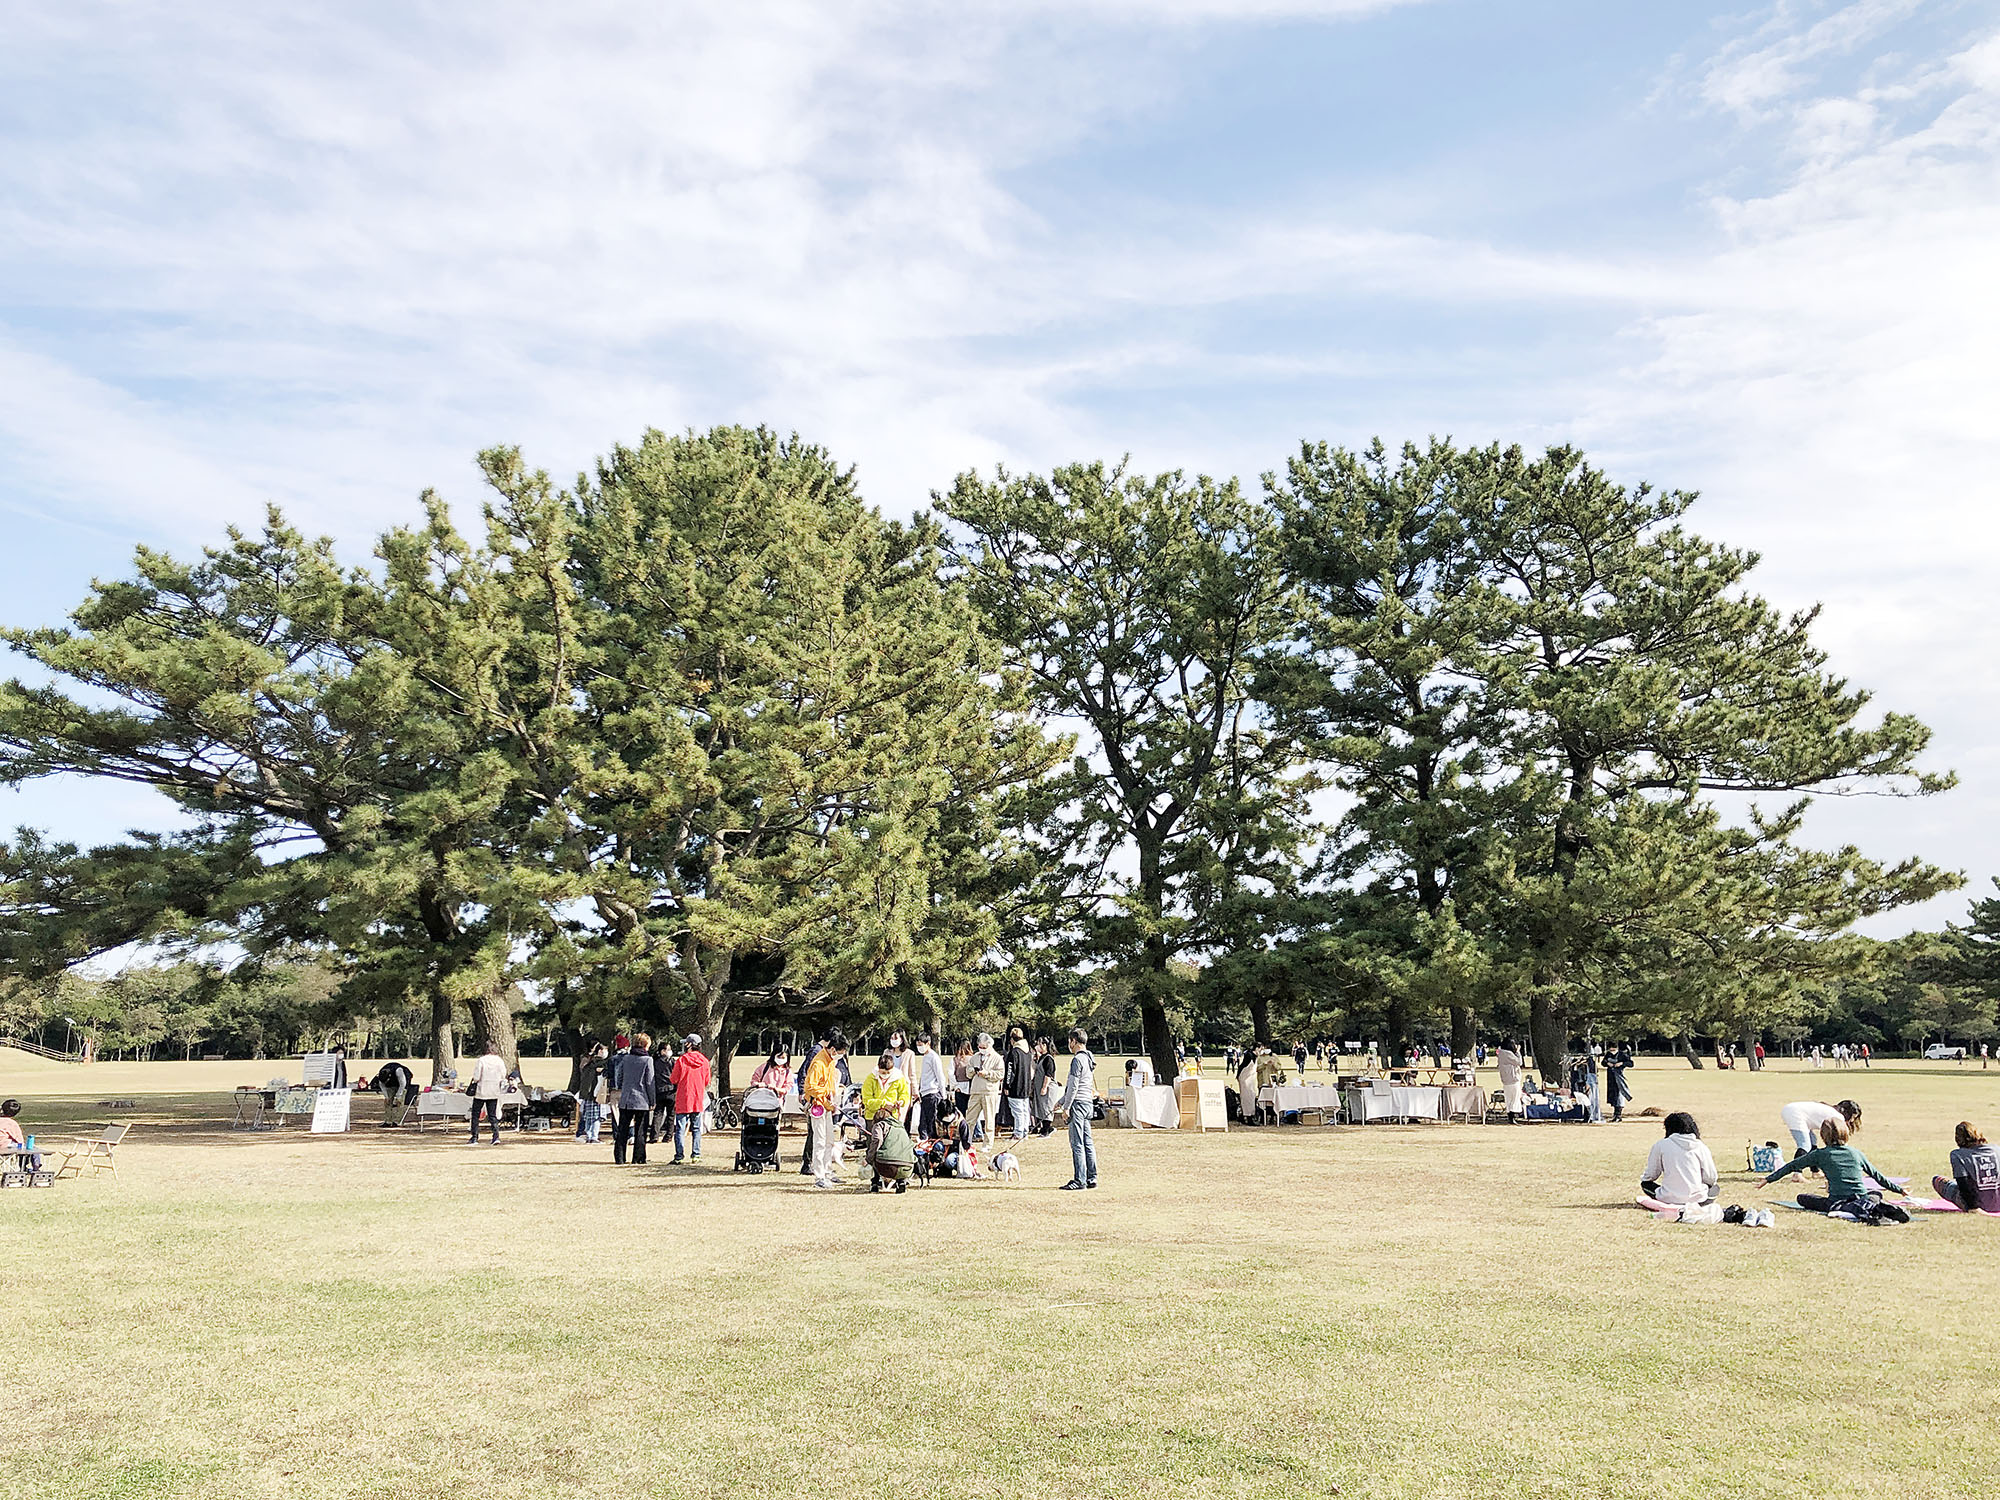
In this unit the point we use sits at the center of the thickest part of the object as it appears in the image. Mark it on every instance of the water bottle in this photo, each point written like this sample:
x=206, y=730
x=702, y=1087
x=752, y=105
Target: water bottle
x=30, y=1144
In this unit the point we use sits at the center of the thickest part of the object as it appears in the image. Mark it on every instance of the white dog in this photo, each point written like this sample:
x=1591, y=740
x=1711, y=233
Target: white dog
x=1006, y=1167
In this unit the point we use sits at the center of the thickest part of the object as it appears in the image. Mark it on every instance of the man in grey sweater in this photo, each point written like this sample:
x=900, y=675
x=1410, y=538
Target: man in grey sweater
x=1078, y=1097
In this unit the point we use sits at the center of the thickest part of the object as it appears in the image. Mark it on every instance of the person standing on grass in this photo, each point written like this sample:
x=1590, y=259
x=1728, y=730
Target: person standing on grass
x=1616, y=1061
x=1022, y=1076
x=982, y=1119
x=661, y=1121
x=816, y=1092
x=589, y=1109
x=1045, y=1085
x=1867, y=1057
x=692, y=1072
x=933, y=1086
x=1079, y=1096
x=489, y=1077
x=1510, y=1077
x=638, y=1093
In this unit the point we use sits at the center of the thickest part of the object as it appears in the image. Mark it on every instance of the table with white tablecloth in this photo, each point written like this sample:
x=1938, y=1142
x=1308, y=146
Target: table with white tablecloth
x=1300, y=1098
x=1153, y=1105
x=1395, y=1102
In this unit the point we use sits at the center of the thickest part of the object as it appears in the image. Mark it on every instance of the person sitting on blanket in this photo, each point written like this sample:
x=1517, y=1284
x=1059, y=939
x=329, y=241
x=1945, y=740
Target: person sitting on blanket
x=1679, y=1169
x=1975, y=1172
x=1854, y=1185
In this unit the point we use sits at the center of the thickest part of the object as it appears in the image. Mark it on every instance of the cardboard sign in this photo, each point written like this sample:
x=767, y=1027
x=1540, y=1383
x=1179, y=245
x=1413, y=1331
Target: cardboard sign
x=330, y=1109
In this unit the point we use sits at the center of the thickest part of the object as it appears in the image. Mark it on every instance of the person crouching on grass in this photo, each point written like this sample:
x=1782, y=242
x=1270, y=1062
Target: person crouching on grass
x=1848, y=1179
x=885, y=1097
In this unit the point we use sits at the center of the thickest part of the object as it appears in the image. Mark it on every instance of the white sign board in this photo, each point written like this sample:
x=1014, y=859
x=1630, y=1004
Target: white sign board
x=319, y=1067
x=330, y=1107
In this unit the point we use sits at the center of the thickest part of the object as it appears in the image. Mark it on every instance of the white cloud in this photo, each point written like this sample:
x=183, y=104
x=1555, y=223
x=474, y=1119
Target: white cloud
x=323, y=255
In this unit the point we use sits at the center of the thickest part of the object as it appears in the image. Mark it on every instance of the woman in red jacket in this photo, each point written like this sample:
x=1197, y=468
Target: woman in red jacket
x=691, y=1075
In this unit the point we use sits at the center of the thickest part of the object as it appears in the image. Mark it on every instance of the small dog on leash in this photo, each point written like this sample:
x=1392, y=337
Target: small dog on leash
x=1006, y=1167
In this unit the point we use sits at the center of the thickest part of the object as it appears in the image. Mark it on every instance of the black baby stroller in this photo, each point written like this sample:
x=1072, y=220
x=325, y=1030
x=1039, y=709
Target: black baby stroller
x=758, y=1148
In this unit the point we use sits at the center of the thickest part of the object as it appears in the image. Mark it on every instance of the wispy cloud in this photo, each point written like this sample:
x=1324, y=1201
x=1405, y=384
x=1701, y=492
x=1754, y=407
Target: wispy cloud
x=322, y=255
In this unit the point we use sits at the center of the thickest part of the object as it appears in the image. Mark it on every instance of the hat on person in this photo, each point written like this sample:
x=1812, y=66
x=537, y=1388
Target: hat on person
x=692, y=1039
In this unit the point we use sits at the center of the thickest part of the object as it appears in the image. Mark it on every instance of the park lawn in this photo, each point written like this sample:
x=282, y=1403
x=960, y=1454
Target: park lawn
x=1389, y=1311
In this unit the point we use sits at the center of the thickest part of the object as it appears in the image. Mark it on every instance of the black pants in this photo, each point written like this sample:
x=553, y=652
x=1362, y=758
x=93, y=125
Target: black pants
x=631, y=1126
x=492, y=1108
x=927, y=1113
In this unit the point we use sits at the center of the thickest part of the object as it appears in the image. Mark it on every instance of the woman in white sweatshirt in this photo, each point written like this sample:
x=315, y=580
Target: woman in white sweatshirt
x=1679, y=1169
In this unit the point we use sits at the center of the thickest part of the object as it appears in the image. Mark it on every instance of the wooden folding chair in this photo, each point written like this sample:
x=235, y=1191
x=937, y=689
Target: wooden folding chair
x=92, y=1153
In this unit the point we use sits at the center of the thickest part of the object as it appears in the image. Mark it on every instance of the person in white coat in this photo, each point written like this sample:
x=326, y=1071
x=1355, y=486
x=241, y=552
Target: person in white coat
x=1679, y=1169
x=1510, y=1077
x=983, y=1113
x=488, y=1081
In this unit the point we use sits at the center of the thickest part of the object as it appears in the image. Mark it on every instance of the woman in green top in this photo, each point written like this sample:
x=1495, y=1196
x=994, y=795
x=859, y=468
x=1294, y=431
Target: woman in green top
x=1848, y=1175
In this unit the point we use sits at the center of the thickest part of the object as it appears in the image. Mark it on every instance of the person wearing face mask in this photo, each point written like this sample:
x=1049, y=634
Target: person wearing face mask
x=885, y=1098
x=933, y=1083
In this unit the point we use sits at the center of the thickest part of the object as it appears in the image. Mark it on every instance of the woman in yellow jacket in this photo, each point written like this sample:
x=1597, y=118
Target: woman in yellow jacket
x=885, y=1099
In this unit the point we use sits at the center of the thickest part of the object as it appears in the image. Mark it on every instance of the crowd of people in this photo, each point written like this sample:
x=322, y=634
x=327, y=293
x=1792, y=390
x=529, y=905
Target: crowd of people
x=965, y=1102
x=1680, y=1171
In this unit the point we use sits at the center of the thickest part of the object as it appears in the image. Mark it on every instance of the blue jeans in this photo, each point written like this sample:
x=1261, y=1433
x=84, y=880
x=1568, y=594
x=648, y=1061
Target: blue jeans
x=1020, y=1117
x=685, y=1124
x=1082, y=1147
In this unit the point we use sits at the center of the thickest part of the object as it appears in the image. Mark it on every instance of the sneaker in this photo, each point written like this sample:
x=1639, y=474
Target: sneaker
x=678, y=1160
x=1090, y=1184
x=1070, y=1187
x=902, y=1187
x=825, y=1182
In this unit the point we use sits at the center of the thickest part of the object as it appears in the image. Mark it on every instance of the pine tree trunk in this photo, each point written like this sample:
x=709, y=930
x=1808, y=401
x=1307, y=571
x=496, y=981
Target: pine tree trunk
x=1548, y=1031
x=1464, y=1030
x=493, y=1026
x=1260, y=1020
x=1684, y=1044
x=444, y=1055
x=1750, y=1047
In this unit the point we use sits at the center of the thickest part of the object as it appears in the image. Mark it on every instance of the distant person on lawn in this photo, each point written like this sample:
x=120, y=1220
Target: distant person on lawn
x=1975, y=1172
x=1679, y=1169
x=638, y=1092
x=488, y=1081
x=589, y=1109
x=692, y=1072
x=1078, y=1100
x=1510, y=1077
x=817, y=1093
x=397, y=1088
x=1616, y=1092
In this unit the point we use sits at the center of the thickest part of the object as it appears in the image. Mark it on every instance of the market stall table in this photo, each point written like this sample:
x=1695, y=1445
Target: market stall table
x=1393, y=1102
x=449, y=1104
x=1301, y=1099
x=252, y=1104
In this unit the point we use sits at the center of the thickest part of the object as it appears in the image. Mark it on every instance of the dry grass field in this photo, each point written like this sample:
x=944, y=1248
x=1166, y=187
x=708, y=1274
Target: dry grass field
x=1382, y=1312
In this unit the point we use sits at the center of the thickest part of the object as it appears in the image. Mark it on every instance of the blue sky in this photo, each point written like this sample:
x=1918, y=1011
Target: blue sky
x=321, y=259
